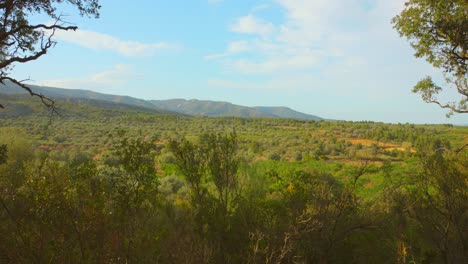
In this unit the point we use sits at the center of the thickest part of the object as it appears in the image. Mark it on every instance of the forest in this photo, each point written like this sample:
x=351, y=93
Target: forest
x=99, y=185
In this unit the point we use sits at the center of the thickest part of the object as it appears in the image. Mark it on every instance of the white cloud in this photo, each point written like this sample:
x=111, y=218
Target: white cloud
x=291, y=83
x=252, y=25
x=334, y=52
x=216, y=56
x=275, y=64
x=232, y=48
x=238, y=46
x=100, y=41
x=119, y=75
x=315, y=35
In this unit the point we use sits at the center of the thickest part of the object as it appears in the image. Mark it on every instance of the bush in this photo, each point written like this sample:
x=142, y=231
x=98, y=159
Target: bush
x=275, y=156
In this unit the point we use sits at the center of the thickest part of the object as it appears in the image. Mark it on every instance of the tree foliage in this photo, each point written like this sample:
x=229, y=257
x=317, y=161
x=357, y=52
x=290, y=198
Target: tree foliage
x=443, y=210
x=437, y=30
x=74, y=192
x=22, y=41
x=3, y=154
x=211, y=163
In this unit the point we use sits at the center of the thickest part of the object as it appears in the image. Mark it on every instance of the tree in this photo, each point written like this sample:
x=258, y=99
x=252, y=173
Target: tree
x=135, y=184
x=3, y=154
x=212, y=164
x=437, y=200
x=437, y=30
x=22, y=41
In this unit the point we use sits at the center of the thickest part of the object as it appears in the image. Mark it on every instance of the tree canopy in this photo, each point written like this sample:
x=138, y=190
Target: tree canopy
x=438, y=31
x=22, y=41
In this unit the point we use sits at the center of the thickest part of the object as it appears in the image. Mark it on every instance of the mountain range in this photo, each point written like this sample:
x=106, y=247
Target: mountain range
x=181, y=106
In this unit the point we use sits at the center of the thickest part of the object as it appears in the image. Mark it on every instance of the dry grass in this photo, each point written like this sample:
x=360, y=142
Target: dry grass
x=383, y=145
x=318, y=132
x=370, y=142
x=287, y=127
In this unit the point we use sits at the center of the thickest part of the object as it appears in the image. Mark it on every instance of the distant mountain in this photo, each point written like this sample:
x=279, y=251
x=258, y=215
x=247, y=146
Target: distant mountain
x=207, y=108
x=61, y=93
x=181, y=106
x=17, y=105
x=214, y=108
x=286, y=112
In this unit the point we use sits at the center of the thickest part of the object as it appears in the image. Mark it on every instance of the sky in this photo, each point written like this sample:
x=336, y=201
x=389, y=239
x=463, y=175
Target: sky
x=337, y=59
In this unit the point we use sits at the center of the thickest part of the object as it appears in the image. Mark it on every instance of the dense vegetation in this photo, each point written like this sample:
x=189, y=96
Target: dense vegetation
x=113, y=185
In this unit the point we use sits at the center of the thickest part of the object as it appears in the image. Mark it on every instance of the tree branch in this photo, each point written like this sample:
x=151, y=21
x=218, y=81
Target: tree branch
x=45, y=100
x=448, y=106
x=35, y=27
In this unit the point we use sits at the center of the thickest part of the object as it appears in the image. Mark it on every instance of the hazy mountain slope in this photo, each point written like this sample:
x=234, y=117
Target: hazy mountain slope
x=285, y=112
x=187, y=107
x=213, y=108
x=52, y=92
x=208, y=108
x=17, y=105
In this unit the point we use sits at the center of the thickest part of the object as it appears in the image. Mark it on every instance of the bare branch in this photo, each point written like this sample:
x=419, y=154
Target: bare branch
x=22, y=42
x=35, y=27
x=448, y=106
x=460, y=149
x=45, y=100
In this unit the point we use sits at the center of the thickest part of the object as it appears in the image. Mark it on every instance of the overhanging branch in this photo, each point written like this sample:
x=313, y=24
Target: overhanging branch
x=448, y=106
x=35, y=27
x=50, y=103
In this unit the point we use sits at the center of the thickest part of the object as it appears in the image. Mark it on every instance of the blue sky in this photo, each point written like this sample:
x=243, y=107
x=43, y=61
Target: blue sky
x=338, y=59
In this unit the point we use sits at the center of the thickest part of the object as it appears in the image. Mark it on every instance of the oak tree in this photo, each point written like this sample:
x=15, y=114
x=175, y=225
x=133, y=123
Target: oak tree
x=438, y=31
x=22, y=41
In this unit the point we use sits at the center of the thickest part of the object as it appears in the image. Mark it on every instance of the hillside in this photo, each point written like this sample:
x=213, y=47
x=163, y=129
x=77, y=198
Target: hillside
x=75, y=93
x=181, y=106
x=17, y=105
x=219, y=109
x=286, y=112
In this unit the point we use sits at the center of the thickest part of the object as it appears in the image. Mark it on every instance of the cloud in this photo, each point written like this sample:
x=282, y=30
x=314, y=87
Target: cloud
x=232, y=48
x=119, y=75
x=275, y=64
x=238, y=46
x=252, y=25
x=292, y=83
x=329, y=53
x=216, y=56
x=314, y=35
x=100, y=41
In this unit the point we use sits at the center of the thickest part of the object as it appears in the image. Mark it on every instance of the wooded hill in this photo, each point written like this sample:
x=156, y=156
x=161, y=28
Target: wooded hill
x=182, y=106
